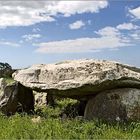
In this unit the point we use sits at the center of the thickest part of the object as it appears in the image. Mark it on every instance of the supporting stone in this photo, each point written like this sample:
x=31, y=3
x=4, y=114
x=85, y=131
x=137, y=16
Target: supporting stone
x=16, y=98
x=115, y=105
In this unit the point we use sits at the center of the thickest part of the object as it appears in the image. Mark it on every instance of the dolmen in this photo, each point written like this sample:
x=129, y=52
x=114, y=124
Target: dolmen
x=111, y=89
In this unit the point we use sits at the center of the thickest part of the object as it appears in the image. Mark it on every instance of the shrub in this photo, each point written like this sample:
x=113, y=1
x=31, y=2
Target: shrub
x=5, y=70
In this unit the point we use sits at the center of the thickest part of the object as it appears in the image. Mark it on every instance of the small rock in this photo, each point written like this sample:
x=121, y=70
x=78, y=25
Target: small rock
x=36, y=120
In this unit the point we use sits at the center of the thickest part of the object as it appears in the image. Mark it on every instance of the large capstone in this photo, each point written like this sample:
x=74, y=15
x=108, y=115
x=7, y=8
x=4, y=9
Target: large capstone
x=115, y=105
x=78, y=79
x=16, y=98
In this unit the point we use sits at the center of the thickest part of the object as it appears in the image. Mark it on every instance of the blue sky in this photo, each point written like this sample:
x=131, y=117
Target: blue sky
x=33, y=32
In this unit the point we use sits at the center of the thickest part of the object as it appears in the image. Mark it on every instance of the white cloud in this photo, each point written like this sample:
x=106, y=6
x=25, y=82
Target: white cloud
x=72, y=7
x=127, y=26
x=135, y=12
x=31, y=37
x=135, y=35
x=77, y=25
x=8, y=43
x=36, y=30
x=80, y=45
x=108, y=31
x=19, y=13
x=25, y=13
x=21, y=41
x=89, y=22
x=109, y=38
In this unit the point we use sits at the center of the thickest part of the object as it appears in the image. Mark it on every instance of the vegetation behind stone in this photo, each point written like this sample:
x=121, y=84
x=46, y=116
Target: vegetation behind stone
x=6, y=70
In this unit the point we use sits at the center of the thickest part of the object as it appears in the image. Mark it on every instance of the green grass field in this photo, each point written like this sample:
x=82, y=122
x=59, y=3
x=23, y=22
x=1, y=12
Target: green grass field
x=52, y=126
x=21, y=127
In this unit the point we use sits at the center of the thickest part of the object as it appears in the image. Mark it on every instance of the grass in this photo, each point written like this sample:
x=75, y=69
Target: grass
x=21, y=127
x=52, y=126
x=9, y=80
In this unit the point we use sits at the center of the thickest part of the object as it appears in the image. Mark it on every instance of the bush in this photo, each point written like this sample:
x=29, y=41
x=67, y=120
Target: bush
x=5, y=70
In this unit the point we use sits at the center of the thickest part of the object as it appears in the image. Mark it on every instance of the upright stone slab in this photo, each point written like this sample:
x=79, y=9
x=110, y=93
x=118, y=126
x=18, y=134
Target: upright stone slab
x=16, y=98
x=40, y=99
x=115, y=105
x=2, y=83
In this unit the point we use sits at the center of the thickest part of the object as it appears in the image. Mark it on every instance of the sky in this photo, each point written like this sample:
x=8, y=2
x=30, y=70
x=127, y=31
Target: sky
x=38, y=31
